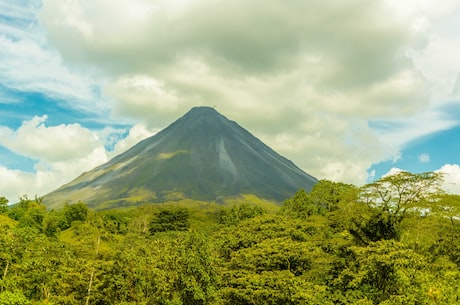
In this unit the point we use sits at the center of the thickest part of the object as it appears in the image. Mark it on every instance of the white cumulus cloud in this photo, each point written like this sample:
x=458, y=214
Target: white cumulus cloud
x=451, y=174
x=136, y=134
x=424, y=158
x=50, y=143
x=62, y=152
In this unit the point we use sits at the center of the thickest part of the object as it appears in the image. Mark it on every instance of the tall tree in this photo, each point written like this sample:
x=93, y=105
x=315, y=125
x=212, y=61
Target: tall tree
x=329, y=195
x=402, y=192
x=300, y=206
x=3, y=205
x=390, y=200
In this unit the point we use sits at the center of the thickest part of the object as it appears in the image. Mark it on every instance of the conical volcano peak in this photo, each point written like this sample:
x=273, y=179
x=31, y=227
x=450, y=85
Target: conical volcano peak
x=198, y=113
x=201, y=156
x=202, y=117
x=203, y=110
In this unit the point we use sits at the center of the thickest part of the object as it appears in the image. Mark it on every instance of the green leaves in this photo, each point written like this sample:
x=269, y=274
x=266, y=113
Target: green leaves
x=325, y=197
x=274, y=259
x=301, y=206
x=400, y=193
x=170, y=220
x=3, y=205
x=13, y=298
x=323, y=247
x=239, y=212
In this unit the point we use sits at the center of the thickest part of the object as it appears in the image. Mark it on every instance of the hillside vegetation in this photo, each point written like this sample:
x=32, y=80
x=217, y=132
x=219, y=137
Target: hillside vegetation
x=395, y=241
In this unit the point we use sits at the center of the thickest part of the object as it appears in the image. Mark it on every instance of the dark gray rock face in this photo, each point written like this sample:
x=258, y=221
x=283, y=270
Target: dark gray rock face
x=202, y=156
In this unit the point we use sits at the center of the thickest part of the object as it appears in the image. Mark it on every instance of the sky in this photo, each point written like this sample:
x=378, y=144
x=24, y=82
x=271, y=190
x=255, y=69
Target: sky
x=348, y=90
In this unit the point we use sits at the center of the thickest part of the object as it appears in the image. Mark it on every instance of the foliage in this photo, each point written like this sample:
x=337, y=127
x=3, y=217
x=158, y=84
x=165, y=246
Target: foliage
x=403, y=192
x=391, y=200
x=330, y=195
x=3, y=205
x=13, y=298
x=383, y=270
x=325, y=197
x=447, y=205
x=335, y=245
x=75, y=212
x=170, y=220
x=300, y=206
x=237, y=213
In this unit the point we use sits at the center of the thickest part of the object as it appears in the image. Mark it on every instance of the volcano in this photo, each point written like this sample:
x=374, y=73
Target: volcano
x=201, y=156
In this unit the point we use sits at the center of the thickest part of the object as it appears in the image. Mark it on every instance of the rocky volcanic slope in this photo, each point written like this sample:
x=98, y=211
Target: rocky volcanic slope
x=202, y=156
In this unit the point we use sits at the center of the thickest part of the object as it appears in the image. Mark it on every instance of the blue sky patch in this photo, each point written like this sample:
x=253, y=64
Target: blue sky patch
x=14, y=161
x=20, y=106
x=426, y=153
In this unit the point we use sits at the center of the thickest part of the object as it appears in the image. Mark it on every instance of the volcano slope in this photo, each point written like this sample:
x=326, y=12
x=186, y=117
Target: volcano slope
x=201, y=156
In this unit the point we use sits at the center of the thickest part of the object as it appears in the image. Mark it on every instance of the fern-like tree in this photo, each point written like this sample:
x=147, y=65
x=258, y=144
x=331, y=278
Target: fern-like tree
x=402, y=192
x=392, y=198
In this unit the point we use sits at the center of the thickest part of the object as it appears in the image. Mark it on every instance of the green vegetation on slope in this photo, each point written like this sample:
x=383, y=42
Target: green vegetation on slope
x=389, y=242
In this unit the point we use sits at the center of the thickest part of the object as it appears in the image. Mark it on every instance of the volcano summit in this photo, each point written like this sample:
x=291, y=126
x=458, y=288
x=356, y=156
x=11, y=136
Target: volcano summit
x=201, y=156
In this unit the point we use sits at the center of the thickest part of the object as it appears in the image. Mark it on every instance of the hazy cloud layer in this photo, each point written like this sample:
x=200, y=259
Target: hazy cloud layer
x=305, y=77
x=32, y=66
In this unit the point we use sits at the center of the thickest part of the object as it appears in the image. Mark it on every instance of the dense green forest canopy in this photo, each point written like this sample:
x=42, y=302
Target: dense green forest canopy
x=394, y=241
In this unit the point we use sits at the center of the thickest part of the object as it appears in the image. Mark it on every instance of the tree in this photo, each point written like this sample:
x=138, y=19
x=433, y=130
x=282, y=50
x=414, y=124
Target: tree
x=447, y=205
x=54, y=222
x=29, y=212
x=9, y=247
x=383, y=271
x=75, y=212
x=376, y=226
x=390, y=200
x=197, y=277
x=170, y=220
x=329, y=195
x=275, y=259
x=300, y=206
x=239, y=212
x=325, y=197
x=3, y=205
x=403, y=192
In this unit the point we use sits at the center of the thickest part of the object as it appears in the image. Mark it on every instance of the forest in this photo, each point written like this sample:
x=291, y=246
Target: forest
x=393, y=241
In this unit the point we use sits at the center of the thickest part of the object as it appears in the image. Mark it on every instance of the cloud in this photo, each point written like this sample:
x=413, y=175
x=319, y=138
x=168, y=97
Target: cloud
x=451, y=177
x=62, y=152
x=437, y=61
x=55, y=143
x=393, y=171
x=424, y=158
x=19, y=184
x=255, y=37
x=397, y=132
x=305, y=77
x=141, y=94
x=47, y=176
x=33, y=66
x=137, y=133
x=334, y=88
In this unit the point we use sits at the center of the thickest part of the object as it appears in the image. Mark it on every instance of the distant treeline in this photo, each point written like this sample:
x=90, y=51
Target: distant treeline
x=395, y=241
